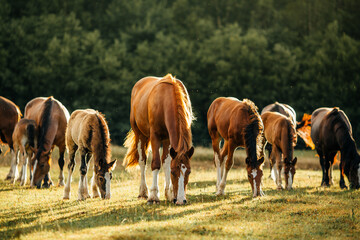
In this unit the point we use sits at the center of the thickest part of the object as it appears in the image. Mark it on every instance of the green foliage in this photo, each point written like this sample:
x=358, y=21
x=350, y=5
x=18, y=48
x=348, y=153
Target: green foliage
x=90, y=54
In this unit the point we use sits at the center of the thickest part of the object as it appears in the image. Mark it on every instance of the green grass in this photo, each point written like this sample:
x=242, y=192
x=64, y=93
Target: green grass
x=307, y=212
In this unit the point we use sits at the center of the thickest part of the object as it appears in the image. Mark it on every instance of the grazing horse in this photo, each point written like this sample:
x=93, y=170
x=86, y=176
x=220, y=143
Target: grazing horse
x=88, y=132
x=51, y=119
x=9, y=116
x=331, y=132
x=24, y=139
x=161, y=114
x=281, y=134
x=239, y=124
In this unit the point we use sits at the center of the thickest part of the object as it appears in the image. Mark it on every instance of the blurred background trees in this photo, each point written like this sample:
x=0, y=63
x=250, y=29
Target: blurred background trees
x=89, y=54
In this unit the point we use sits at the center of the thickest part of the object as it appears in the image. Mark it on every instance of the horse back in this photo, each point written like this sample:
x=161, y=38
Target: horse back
x=229, y=117
x=324, y=125
x=276, y=127
x=80, y=127
x=58, y=114
x=10, y=115
x=281, y=108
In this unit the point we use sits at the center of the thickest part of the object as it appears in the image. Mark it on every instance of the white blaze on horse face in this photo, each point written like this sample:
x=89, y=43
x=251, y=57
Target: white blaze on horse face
x=254, y=174
x=32, y=178
x=181, y=186
x=107, y=186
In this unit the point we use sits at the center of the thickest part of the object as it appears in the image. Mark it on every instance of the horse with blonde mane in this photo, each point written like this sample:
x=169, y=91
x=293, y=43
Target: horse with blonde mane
x=24, y=139
x=161, y=114
x=281, y=134
x=51, y=119
x=9, y=116
x=240, y=125
x=88, y=132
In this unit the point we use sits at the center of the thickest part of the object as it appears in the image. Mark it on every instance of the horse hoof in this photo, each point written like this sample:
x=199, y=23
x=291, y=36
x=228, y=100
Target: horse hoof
x=343, y=186
x=149, y=202
x=8, y=178
x=61, y=184
x=143, y=197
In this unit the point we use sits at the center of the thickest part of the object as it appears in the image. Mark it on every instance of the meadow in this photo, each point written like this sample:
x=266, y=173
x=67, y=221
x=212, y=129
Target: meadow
x=307, y=212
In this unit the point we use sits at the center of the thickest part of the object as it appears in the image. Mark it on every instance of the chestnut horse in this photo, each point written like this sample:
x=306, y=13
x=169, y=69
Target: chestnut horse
x=9, y=115
x=51, y=119
x=281, y=134
x=161, y=114
x=24, y=139
x=239, y=124
x=88, y=132
x=331, y=132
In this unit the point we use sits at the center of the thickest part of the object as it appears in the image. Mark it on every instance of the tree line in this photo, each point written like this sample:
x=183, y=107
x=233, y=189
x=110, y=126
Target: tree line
x=89, y=54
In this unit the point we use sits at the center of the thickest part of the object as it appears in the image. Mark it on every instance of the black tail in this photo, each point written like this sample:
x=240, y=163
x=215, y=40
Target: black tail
x=30, y=130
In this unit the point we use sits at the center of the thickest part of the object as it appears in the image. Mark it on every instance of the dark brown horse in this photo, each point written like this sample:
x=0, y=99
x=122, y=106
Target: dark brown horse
x=24, y=139
x=239, y=124
x=9, y=116
x=331, y=132
x=281, y=134
x=51, y=119
x=161, y=114
x=88, y=132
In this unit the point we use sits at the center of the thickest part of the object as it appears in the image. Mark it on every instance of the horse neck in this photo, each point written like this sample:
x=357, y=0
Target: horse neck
x=347, y=145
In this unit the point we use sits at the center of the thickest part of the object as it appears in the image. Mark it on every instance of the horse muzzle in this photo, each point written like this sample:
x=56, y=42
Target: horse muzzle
x=183, y=202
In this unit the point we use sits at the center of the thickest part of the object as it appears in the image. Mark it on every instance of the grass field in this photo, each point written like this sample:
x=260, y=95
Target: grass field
x=307, y=212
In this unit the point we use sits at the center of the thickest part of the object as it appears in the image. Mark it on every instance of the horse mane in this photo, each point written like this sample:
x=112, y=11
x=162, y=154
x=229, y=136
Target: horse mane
x=45, y=123
x=254, y=133
x=184, y=113
x=103, y=146
x=291, y=136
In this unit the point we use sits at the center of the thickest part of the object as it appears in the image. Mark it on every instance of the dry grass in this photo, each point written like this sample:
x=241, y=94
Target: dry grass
x=307, y=212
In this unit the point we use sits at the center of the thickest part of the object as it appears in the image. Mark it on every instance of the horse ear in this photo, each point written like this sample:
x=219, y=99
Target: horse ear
x=294, y=161
x=112, y=165
x=190, y=152
x=247, y=160
x=173, y=153
x=260, y=161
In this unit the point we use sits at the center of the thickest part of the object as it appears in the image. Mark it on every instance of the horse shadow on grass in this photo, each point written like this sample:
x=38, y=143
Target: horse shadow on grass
x=112, y=216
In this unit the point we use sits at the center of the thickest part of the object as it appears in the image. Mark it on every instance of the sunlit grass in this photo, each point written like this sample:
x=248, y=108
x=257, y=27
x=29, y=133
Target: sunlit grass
x=308, y=212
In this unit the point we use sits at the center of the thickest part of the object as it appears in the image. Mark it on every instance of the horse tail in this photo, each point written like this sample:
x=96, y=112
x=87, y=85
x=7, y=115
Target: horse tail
x=254, y=134
x=132, y=155
x=30, y=132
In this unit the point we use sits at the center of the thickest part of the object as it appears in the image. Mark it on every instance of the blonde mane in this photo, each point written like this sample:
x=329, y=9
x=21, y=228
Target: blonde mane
x=258, y=127
x=184, y=113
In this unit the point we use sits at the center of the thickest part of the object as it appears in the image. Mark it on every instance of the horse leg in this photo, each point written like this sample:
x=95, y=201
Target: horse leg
x=322, y=164
x=85, y=187
x=166, y=161
x=83, y=171
x=277, y=167
x=342, y=181
x=141, y=146
x=26, y=163
x=223, y=157
x=155, y=168
x=268, y=148
x=228, y=164
x=94, y=187
x=329, y=158
x=71, y=166
x=61, y=163
x=215, y=139
x=13, y=168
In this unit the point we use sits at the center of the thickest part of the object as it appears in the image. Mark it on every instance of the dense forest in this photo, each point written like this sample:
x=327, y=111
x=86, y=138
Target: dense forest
x=89, y=54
